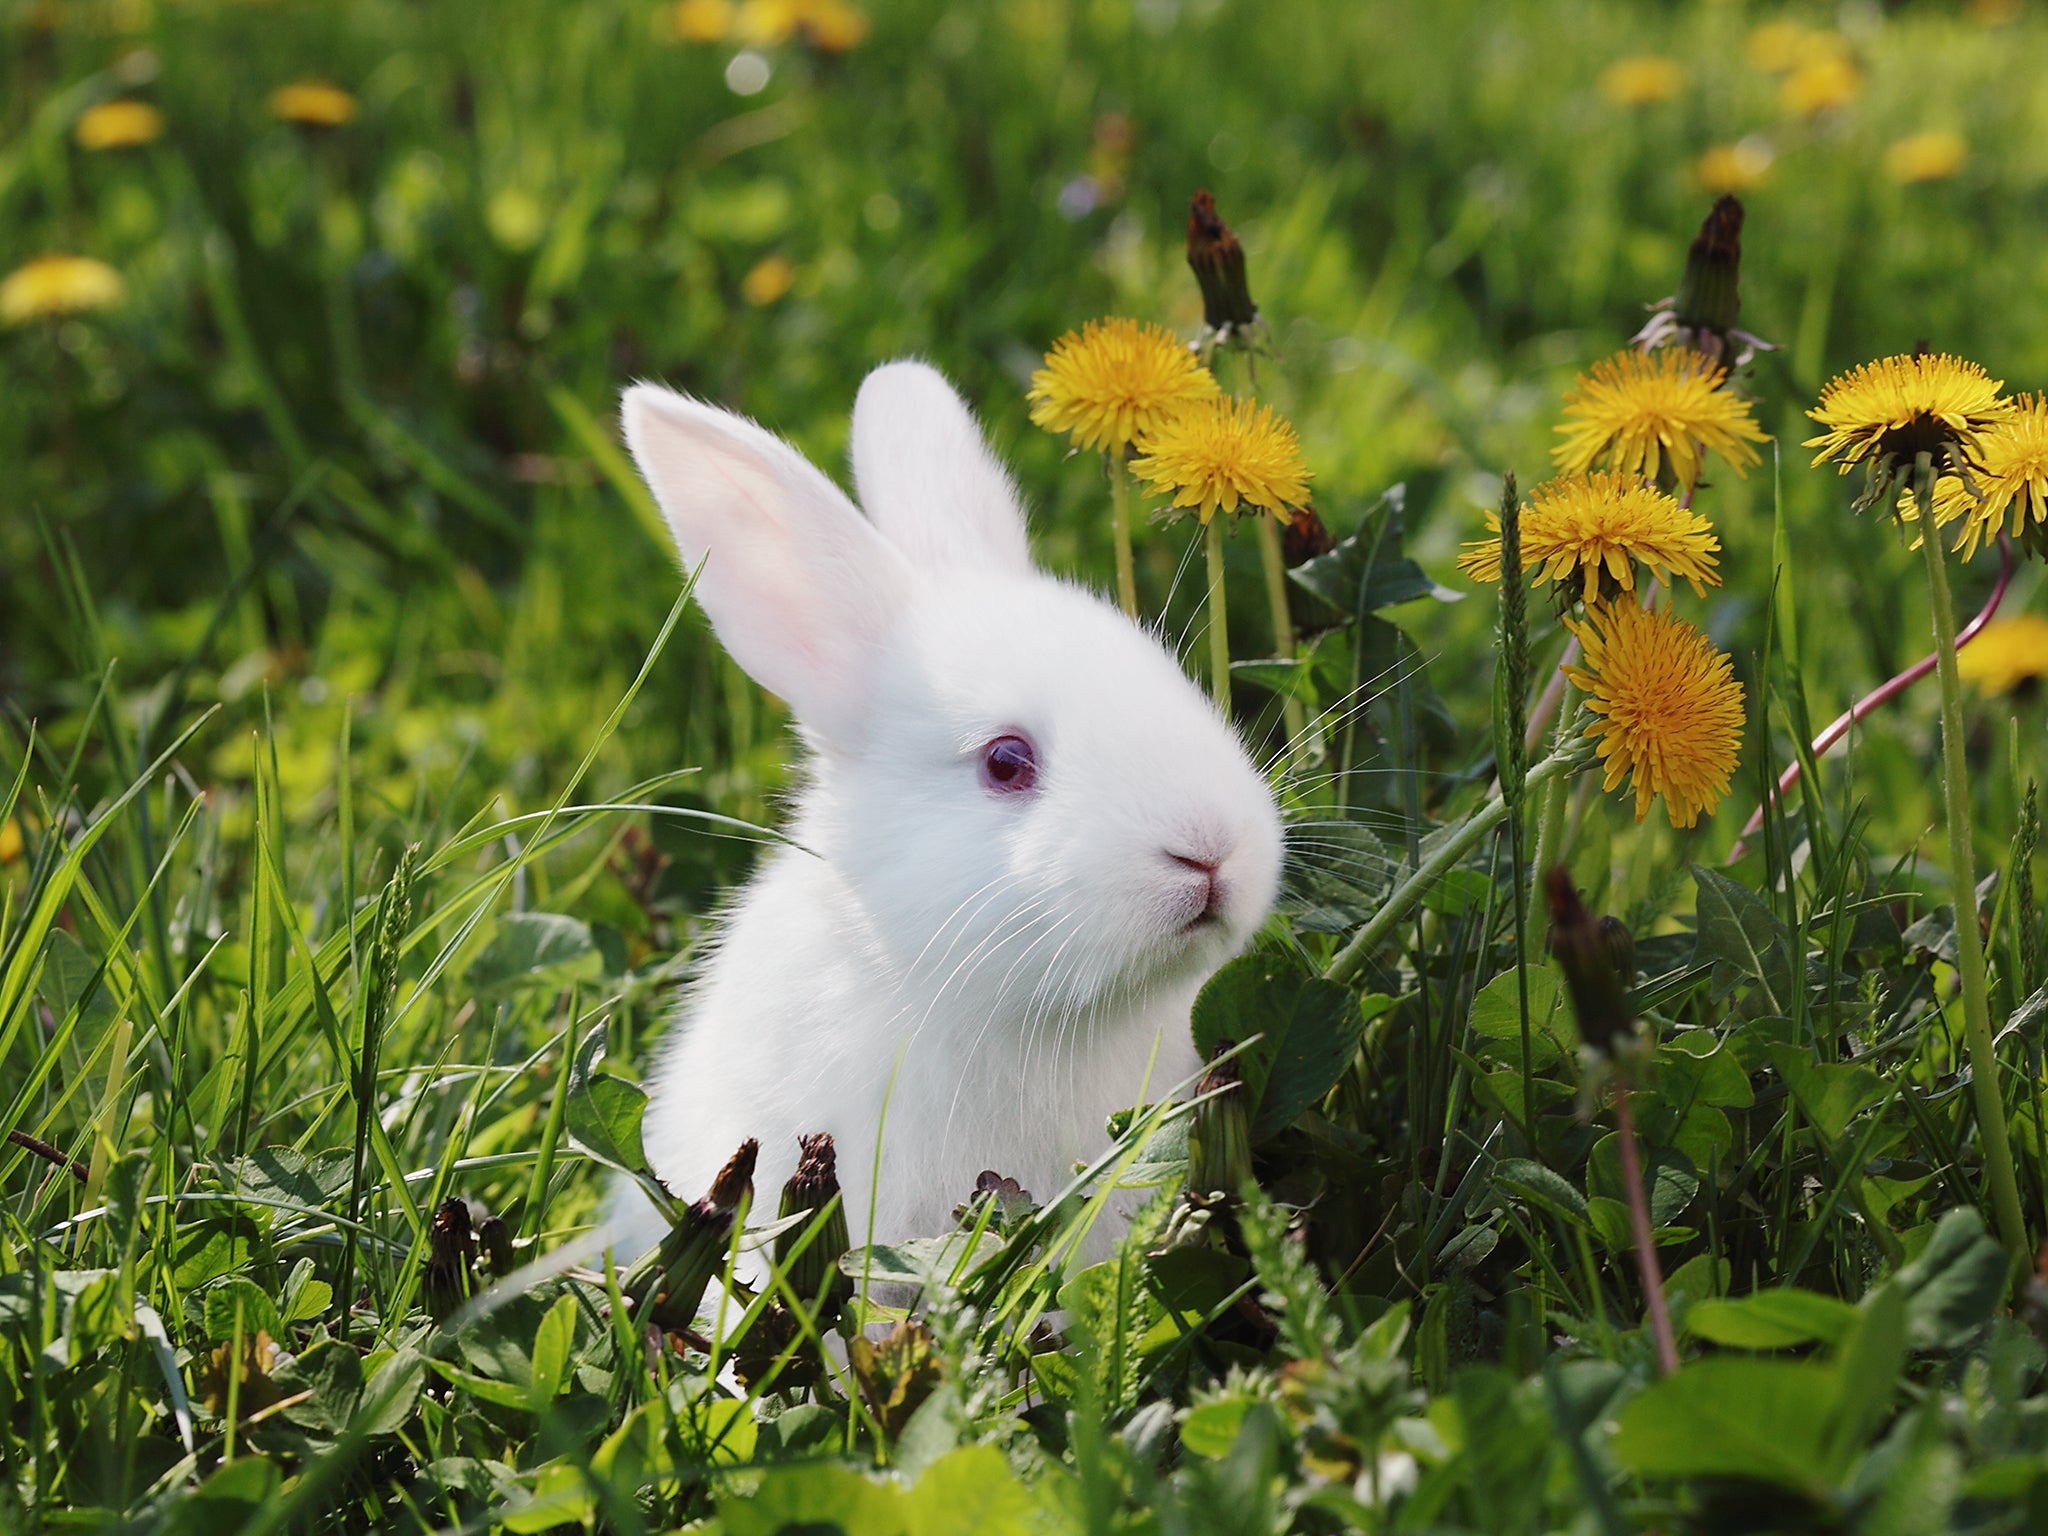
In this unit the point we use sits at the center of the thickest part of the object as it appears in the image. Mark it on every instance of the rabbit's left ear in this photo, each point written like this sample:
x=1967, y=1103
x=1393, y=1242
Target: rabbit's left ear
x=926, y=478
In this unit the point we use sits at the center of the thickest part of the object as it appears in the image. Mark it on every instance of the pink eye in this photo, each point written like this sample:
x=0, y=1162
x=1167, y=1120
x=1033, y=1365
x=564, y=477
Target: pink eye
x=1009, y=765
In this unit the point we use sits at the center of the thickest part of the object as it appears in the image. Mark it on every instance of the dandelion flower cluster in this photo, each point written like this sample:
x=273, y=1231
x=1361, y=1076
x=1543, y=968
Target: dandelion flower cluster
x=1114, y=382
x=313, y=103
x=1217, y=452
x=118, y=125
x=1586, y=533
x=2010, y=656
x=1637, y=410
x=58, y=285
x=1886, y=412
x=1669, y=710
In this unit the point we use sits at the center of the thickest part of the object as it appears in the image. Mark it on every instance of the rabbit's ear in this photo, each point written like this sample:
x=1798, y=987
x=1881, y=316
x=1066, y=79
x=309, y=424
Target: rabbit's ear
x=799, y=586
x=928, y=480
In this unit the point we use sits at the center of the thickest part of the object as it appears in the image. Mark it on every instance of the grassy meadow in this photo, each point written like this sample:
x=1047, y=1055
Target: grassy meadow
x=367, y=785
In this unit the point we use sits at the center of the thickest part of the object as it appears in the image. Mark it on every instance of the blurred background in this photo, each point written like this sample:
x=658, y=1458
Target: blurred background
x=324, y=422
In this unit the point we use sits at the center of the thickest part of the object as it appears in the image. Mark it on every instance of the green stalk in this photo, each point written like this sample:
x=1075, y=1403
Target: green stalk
x=1984, y=1076
x=1550, y=807
x=1219, y=628
x=1291, y=712
x=1120, y=524
x=1372, y=933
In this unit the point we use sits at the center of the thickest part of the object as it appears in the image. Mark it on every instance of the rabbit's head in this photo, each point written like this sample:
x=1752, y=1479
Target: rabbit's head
x=1033, y=810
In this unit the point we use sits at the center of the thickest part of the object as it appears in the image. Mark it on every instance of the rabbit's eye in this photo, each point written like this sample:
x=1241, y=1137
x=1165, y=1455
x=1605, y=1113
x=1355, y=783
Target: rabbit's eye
x=1009, y=765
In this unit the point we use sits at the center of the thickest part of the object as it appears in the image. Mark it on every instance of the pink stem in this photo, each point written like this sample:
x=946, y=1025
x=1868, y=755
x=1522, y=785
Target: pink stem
x=1646, y=1240
x=1883, y=693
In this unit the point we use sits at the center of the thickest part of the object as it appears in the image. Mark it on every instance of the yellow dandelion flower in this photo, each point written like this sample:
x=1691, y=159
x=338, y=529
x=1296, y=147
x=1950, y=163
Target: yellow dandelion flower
x=2011, y=473
x=2009, y=656
x=58, y=285
x=1669, y=708
x=1734, y=167
x=1926, y=157
x=1885, y=412
x=1217, y=453
x=11, y=843
x=1777, y=46
x=702, y=21
x=1819, y=85
x=314, y=103
x=1642, y=81
x=118, y=125
x=768, y=280
x=1637, y=409
x=833, y=26
x=1585, y=532
x=1115, y=381
x=764, y=23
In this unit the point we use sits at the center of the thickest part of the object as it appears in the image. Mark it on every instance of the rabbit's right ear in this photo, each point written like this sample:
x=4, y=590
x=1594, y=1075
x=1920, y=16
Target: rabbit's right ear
x=799, y=586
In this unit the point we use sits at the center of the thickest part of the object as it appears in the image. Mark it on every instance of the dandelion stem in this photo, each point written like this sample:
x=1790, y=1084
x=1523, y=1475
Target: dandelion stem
x=1291, y=712
x=1984, y=1076
x=1219, y=627
x=1120, y=524
x=1646, y=1240
x=1550, y=821
x=1574, y=754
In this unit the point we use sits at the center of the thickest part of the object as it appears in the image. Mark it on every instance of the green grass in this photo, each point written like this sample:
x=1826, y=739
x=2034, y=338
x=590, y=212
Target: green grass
x=320, y=548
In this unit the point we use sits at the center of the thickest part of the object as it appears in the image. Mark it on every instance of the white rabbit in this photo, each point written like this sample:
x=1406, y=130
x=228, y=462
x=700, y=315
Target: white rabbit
x=1026, y=838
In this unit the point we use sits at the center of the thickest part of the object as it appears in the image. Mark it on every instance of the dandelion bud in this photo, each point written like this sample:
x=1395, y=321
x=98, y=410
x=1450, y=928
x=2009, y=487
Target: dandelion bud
x=451, y=1247
x=1582, y=947
x=694, y=1250
x=1218, y=262
x=1621, y=947
x=1707, y=299
x=814, y=1273
x=495, y=1239
x=1220, y=1135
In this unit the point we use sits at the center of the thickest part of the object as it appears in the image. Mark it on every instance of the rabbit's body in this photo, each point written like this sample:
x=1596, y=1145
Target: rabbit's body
x=1025, y=839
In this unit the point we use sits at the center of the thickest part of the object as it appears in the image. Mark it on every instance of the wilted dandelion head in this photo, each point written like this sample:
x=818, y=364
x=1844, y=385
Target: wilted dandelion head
x=1642, y=80
x=1114, y=382
x=1886, y=412
x=313, y=103
x=1218, y=453
x=118, y=125
x=1925, y=157
x=1668, y=708
x=1586, y=533
x=2010, y=656
x=58, y=285
x=1635, y=411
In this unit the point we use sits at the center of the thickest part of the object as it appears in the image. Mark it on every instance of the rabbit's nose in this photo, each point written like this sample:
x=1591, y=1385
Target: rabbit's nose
x=1209, y=868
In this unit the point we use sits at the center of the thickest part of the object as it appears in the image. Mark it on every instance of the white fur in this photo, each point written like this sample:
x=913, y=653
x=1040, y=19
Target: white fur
x=1020, y=956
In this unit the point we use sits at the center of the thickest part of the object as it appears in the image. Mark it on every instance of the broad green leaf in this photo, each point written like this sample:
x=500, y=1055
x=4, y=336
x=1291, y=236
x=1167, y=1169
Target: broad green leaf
x=1733, y=1416
x=815, y=1496
x=1669, y=1174
x=226, y=1500
x=972, y=1492
x=551, y=1343
x=1541, y=1186
x=534, y=949
x=259, y=1312
x=1955, y=1285
x=1742, y=937
x=561, y=1496
x=392, y=1390
x=1211, y=1429
x=1829, y=1093
x=216, y=1246
x=1309, y=1029
x=1774, y=1319
x=1871, y=1358
x=605, y=1111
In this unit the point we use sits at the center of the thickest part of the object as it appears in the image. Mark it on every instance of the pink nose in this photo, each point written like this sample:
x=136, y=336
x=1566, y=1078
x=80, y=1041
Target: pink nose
x=1208, y=868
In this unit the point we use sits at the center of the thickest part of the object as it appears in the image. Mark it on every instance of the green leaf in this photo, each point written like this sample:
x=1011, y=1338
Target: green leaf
x=1829, y=1093
x=1742, y=937
x=816, y=1496
x=561, y=1496
x=1955, y=1285
x=971, y=1492
x=551, y=1342
x=259, y=1312
x=1309, y=1030
x=388, y=1398
x=226, y=1501
x=1871, y=1358
x=1775, y=1319
x=1733, y=1416
x=291, y=1178
x=1211, y=1429
x=214, y=1247
x=1541, y=1186
x=532, y=949
x=1669, y=1174
x=605, y=1111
